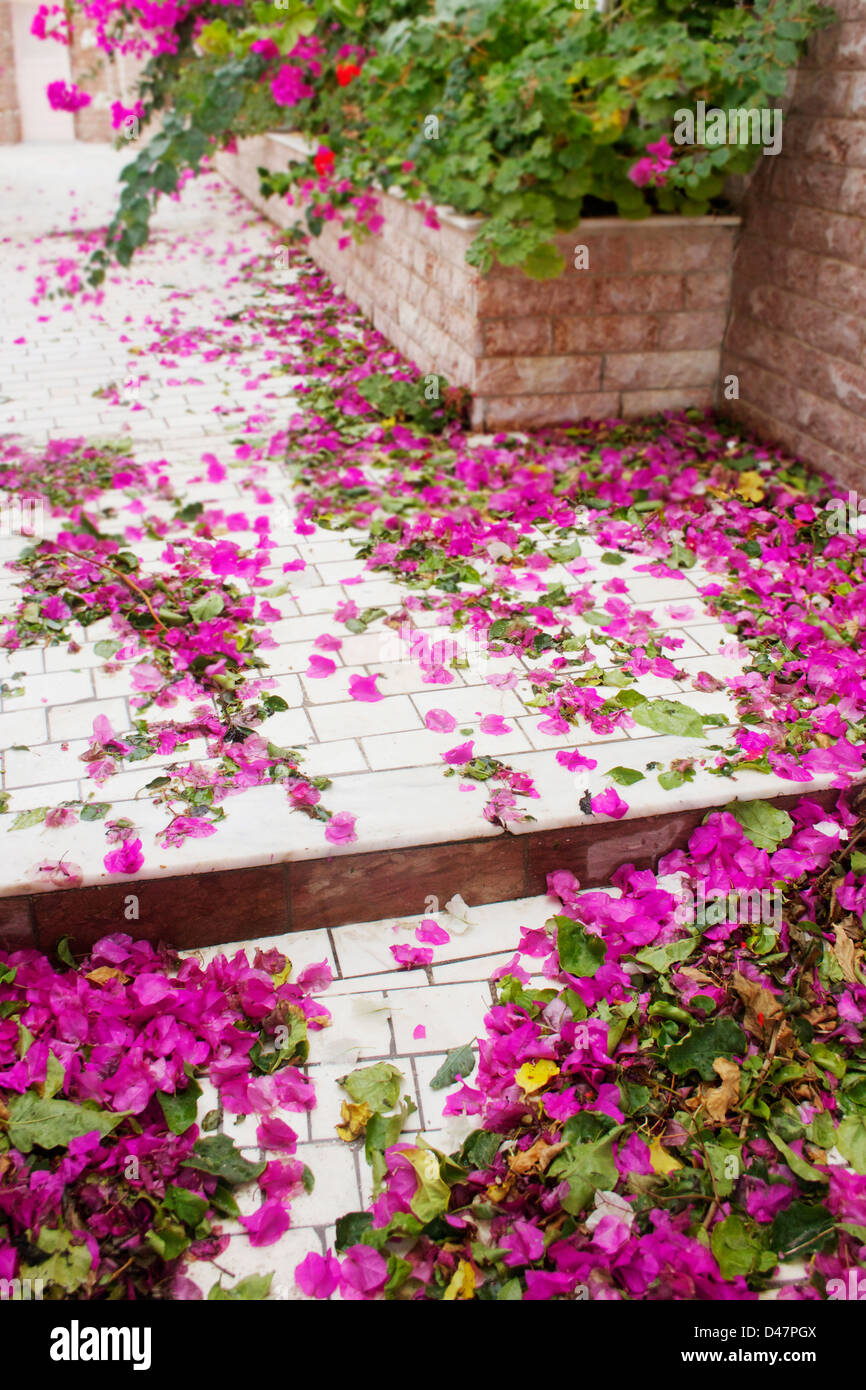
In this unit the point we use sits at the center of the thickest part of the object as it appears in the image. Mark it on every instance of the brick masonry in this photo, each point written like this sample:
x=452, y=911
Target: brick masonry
x=10, y=122
x=638, y=330
x=797, y=332
x=204, y=909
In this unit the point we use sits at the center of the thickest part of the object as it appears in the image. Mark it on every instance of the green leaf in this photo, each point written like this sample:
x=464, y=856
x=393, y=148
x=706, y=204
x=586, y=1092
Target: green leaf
x=735, y=1246
x=107, y=648
x=94, y=810
x=378, y=1085
x=797, y=1165
x=587, y=1168
x=801, y=1229
x=68, y=1264
x=580, y=953
x=180, y=1108
x=219, y=1156
x=350, y=1229
x=189, y=1207
x=661, y=958
x=222, y=1201
x=510, y=1292
x=851, y=1141
x=52, y=1124
x=382, y=1131
x=700, y=1048
x=461, y=1060
x=207, y=607
x=544, y=262
x=480, y=1148
x=64, y=953
x=25, y=820
x=563, y=554
x=169, y=1238
x=625, y=776
x=432, y=1194
x=254, y=1288
x=55, y=1075
x=762, y=823
x=669, y=717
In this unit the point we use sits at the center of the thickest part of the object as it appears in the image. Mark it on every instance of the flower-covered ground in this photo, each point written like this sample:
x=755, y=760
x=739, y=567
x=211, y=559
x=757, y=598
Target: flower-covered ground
x=661, y=1103
x=317, y=616
x=225, y=631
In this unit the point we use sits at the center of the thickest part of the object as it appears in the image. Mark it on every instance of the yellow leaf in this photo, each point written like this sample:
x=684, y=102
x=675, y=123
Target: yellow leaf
x=283, y=975
x=661, y=1160
x=533, y=1076
x=462, y=1283
x=354, y=1119
x=750, y=486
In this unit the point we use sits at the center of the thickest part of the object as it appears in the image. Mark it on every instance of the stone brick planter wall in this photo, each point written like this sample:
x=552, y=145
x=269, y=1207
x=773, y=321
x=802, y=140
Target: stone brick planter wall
x=10, y=124
x=797, y=336
x=639, y=330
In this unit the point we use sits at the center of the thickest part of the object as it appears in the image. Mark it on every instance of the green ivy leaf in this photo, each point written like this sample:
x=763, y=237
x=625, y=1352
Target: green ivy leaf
x=762, y=823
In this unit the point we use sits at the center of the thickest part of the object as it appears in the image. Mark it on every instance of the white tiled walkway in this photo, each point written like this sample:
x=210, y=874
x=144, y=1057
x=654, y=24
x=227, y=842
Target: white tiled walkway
x=376, y=1011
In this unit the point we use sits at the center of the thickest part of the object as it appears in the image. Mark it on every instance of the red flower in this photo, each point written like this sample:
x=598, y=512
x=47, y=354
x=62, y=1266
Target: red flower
x=324, y=160
x=345, y=73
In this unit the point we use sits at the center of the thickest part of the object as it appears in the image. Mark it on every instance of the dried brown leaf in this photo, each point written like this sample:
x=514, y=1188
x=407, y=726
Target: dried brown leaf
x=846, y=955
x=720, y=1099
x=104, y=973
x=762, y=1008
x=535, y=1159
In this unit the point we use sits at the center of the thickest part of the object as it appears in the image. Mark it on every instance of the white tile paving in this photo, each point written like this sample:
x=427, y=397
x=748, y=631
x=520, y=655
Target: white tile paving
x=451, y=1011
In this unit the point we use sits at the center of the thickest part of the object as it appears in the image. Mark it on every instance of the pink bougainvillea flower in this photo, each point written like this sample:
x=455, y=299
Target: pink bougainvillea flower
x=364, y=688
x=274, y=1133
x=318, y=1276
x=459, y=755
x=60, y=874
x=340, y=829
x=63, y=98
x=572, y=761
x=494, y=724
x=266, y=47
x=408, y=957
x=524, y=1243
x=431, y=932
x=128, y=859
x=363, y=1273
x=316, y=976
x=303, y=794
x=320, y=666
x=419, y=1032
x=216, y=471
x=267, y=1224
x=288, y=86
x=439, y=721
x=608, y=803
x=326, y=643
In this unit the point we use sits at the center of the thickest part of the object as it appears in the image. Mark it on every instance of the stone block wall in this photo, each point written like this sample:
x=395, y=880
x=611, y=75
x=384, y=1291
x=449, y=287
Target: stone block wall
x=10, y=124
x=638, y=328
x=797, y=335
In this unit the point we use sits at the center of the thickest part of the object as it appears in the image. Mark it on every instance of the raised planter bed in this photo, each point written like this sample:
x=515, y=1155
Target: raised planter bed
x=639, y=329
